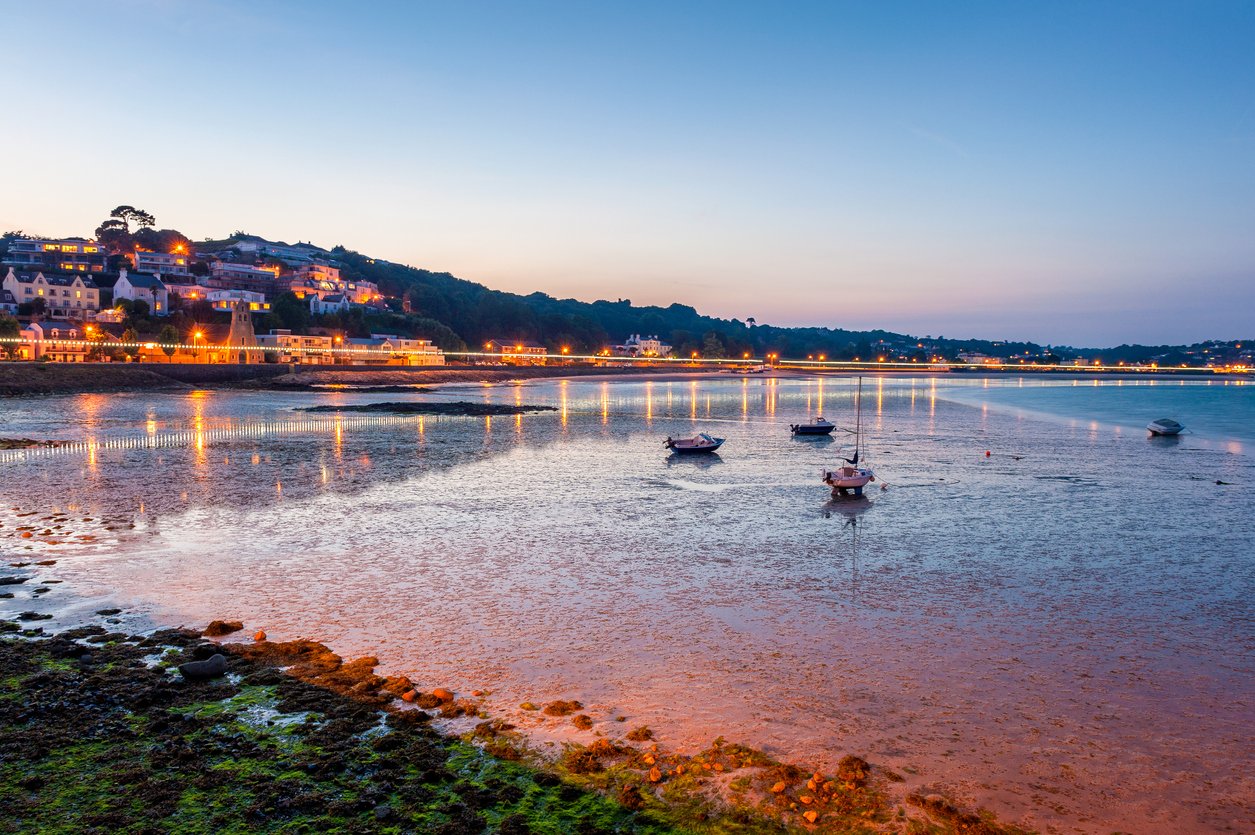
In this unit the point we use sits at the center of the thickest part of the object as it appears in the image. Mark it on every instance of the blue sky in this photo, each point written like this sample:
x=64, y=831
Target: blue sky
x=1076, y=173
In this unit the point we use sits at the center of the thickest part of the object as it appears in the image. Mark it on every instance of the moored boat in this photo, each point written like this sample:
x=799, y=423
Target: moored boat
x=700, y=442
x=818, y=426
x=1164, y=426
x=850, y=477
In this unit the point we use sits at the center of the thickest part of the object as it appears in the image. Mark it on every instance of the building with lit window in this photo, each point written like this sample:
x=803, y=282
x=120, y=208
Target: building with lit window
x=8, y=304
x=224, y=275
x=162, y=263
x=143, y=287
x=298, y=348
x=517, y=351
x=390, y=349
x=225, y=300
x=65, y=296
x=69, y=255
x=54, y=341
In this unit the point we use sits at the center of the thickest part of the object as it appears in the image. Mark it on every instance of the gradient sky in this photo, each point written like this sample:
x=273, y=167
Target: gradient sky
x=1079, y=173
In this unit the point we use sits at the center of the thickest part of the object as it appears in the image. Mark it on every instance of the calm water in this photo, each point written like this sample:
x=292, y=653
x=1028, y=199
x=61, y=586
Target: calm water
x=1060, y=631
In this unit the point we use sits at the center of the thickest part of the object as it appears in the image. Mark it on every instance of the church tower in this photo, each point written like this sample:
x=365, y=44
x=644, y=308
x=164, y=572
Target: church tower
x=242, y=335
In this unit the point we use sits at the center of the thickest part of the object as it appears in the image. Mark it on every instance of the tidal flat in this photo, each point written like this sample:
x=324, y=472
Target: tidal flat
x=1047, y=632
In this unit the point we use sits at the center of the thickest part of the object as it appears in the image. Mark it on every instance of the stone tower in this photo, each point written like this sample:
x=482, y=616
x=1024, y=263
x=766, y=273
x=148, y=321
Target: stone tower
x=242, y=335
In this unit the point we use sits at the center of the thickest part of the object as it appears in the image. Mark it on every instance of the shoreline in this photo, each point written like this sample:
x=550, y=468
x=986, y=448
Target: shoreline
x=295, y=707
x=36, y=379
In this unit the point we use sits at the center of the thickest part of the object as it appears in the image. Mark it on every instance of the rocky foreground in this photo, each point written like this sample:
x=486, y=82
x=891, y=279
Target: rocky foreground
x=107, y=732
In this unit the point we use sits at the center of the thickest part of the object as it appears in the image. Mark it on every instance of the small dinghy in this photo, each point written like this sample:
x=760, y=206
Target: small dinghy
x=1164, y=426
x=818, y=427
x=698, y=443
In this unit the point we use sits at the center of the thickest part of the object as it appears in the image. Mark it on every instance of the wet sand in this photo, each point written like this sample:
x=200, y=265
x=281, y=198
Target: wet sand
x=1052, y=684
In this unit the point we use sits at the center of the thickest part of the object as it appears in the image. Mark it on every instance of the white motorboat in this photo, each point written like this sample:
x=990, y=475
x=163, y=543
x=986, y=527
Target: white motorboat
x=698, y=443
x=1164, y=426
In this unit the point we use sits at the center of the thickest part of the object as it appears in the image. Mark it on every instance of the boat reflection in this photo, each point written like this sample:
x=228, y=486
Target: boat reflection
x=1163, y=440
x=701, y=462
x=814, y=440
x=848, y=507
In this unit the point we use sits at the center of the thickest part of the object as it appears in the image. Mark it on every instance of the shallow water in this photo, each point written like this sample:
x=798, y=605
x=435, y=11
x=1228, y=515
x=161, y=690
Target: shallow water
x=1060, y=631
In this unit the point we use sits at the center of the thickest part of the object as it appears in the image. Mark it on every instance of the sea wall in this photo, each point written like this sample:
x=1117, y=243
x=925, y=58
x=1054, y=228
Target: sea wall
x=36, y=378
x=19, y=378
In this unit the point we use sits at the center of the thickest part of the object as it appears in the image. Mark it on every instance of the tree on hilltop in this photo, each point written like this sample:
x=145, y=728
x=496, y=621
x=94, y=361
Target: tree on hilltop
x=115, y=232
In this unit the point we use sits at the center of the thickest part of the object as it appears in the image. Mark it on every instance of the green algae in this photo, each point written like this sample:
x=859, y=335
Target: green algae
x=180, y=757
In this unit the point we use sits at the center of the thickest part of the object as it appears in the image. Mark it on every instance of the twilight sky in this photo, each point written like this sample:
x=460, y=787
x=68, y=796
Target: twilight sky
x=1068, y=172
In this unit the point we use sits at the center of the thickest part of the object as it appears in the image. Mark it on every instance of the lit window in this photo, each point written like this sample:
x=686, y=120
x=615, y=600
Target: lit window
x=91, y=249
x=51, y=248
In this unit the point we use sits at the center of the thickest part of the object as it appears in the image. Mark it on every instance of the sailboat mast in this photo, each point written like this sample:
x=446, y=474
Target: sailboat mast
x=858, y=421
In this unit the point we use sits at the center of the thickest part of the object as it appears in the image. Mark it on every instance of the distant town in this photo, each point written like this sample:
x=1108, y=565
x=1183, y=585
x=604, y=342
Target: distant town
x=133, y=293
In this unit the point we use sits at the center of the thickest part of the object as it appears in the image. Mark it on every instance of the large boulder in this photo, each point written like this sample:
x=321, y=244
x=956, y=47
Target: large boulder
x=212, y=667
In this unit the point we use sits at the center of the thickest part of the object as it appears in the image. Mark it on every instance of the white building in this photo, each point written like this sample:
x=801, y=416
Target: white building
x=334, y=303
x=65, y=296
x=299, y=348
x=67, y=255
x=143, y=287
x=162, y=263
x=58, y=341
x=643, y=346
x=225, y=300
x=391, y=349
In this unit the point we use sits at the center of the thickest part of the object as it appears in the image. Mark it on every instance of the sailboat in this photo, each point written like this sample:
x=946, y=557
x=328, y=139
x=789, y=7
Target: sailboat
x=851, y=478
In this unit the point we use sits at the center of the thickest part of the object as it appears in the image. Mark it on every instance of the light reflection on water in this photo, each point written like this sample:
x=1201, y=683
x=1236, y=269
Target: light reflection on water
x=1072, y=610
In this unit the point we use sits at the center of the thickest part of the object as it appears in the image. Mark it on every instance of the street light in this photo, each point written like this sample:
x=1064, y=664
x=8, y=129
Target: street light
x=195, y=336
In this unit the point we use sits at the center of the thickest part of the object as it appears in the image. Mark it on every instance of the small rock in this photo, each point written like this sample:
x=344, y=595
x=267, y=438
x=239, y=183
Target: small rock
x=641, y=734
x=108, y=612
x=811, y=816
x=8, y=595
x=445, y=696
x=528, y=706
x=211, y=667
x=583, y=721
x=222, y=627
x=259, y=635
x=655, y=774
x=409, y=695
x=12, y=581
x=383, y=811
x=33, y=616
x=778, y=787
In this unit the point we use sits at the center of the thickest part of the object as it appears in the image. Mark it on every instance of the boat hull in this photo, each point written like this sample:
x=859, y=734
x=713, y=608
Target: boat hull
x=687, y=447
x=1164, y=427
x=848, y=480
x=811, y=429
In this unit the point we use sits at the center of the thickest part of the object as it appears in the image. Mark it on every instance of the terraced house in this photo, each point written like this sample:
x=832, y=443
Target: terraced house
x=65, y=296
